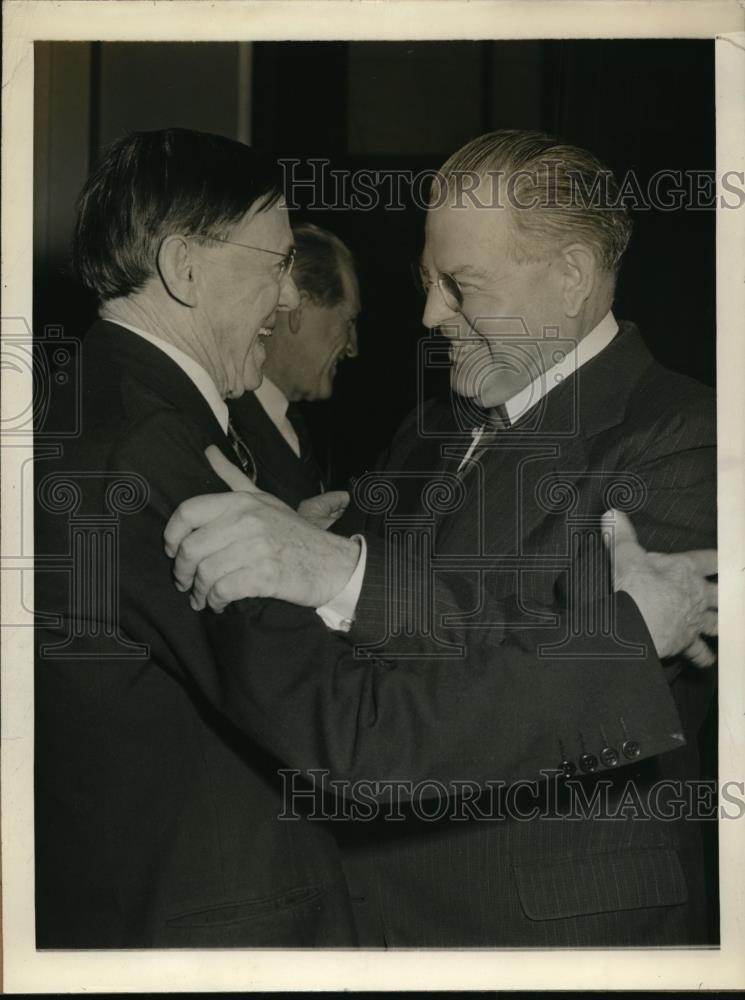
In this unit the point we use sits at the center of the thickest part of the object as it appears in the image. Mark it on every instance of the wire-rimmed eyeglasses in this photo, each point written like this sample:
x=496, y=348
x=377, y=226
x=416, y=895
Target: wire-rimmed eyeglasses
x=285, y=265
x=452, y=293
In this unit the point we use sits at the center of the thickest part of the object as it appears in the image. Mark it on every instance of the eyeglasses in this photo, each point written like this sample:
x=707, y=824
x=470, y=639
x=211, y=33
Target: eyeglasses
x=450, y=290
x=285, y=265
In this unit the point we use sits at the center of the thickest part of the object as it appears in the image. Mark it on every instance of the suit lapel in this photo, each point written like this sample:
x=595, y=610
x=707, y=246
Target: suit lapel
x=280, y=471
x=109, y=346
x=531, y=471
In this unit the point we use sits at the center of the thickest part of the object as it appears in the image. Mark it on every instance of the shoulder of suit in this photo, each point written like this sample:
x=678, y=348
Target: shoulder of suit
x=662, y=392
x=667, y=413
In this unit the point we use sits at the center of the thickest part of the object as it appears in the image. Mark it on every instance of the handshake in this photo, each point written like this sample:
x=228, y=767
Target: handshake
x=247, y=543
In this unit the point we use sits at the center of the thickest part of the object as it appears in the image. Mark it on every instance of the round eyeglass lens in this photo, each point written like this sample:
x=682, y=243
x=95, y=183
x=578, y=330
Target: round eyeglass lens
x=450, y=291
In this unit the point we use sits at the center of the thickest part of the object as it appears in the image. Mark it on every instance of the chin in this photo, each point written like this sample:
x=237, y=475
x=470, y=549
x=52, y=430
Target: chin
x=251, y=380
x=322, y=390
x=463, y=386
x=500, y=392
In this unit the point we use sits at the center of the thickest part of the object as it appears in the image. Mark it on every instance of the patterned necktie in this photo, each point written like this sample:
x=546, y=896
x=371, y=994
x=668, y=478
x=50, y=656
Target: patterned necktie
x=243, y=454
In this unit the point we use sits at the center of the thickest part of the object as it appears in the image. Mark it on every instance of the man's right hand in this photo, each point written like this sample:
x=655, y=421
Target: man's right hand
x=673, y=593
x=247, y=543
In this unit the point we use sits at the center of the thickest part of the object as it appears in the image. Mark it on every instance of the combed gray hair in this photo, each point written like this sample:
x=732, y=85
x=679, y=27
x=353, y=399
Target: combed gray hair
x=556, y=192
x=321, y=257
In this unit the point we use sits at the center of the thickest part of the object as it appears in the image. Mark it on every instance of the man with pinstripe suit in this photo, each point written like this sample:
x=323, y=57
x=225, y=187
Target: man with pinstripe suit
x=558, y=412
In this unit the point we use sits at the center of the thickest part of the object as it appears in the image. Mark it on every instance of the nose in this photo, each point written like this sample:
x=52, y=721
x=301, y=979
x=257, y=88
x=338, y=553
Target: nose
x=351, y=349
x=289, y=297
x=436, y=311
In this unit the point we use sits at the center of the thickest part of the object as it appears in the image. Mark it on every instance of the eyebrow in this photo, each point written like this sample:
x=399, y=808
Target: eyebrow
x=467, y=270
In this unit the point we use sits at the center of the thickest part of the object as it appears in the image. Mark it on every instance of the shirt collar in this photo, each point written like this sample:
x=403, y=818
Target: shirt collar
x=190, y=367
x=596, y=341
x=273, y=400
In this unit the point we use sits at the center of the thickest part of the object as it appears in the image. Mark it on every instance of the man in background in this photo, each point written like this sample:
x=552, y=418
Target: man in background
x=302, y=356
x=159, y=732
x=558, y=412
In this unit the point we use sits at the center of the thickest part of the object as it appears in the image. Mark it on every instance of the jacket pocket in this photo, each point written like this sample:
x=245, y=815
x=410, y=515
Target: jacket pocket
x=247, y=909
x=600, y=883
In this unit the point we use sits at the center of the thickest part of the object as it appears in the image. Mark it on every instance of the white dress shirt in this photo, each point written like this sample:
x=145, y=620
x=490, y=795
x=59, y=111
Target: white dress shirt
x=596, y=341
x=275, y=403
x=190, y=367
x=338, y=614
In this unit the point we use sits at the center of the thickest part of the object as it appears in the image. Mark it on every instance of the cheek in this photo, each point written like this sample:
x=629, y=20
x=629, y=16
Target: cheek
x=337, y=343
x=471, y=362
x=258, y=302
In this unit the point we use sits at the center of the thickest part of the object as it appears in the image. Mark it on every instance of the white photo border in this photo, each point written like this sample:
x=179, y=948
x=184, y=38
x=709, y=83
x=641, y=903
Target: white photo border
x=25, y=969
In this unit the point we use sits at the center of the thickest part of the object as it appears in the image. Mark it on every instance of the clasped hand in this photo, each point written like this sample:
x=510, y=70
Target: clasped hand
x=247, y=543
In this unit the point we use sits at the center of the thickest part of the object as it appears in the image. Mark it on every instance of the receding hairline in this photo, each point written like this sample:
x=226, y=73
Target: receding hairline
x=533, y=159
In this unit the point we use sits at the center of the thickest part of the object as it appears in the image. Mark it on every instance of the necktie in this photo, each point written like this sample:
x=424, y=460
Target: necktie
x=243, y=454
x=307, y=457
x=497, y=418
x=489, y=422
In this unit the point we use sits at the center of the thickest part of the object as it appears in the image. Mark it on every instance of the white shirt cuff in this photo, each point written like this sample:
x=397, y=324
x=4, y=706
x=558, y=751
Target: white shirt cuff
x=339, y=613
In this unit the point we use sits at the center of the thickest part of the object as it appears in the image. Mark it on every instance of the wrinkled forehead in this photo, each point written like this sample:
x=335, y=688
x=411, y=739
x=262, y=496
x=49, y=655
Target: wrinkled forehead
x=351, y=289
x=351, y=286
x=463, y=224
x=271, y=223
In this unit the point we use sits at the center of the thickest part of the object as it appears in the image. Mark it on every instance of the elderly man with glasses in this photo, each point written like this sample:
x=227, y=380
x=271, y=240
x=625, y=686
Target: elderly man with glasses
x=156, y=795
x=303, y=354
x=558, y=412
x=161, y=818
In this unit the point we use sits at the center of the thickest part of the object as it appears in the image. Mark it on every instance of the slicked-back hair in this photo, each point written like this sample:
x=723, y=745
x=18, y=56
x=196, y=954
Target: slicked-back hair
x=150, y=185
x=555, y=192
x=319, y=262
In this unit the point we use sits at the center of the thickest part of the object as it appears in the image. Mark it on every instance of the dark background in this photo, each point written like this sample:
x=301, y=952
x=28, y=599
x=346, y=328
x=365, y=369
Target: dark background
x=640, y=105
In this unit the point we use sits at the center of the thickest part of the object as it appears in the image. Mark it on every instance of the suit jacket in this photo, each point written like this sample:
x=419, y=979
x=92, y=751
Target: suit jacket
x=622, y=432
x=160, y=731
x=278, y=468
x=156, y=796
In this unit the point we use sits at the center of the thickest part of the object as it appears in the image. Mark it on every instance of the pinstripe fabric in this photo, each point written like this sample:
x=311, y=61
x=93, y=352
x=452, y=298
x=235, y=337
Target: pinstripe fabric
x=624, y=431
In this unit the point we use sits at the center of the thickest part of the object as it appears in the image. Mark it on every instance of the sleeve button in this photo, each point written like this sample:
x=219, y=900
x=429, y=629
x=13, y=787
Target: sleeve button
x=588, y=762
x=631, y=749
x=609, y=756
x=567, y=768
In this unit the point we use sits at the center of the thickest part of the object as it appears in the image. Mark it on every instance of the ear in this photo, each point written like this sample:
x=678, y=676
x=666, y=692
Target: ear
x=578, y=276
x=177, y=269
x=295, y=316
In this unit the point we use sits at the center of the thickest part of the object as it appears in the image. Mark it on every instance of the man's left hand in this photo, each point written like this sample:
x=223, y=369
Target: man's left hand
x=247, y=543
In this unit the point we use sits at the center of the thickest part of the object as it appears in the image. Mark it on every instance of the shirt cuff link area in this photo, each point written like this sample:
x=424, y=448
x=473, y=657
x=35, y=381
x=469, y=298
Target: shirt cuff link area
x=340, y=611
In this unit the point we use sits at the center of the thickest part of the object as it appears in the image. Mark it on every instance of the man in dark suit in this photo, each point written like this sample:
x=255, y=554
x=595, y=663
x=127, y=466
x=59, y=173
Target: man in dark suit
x=159, y=733
x=559, y=413
x=156, y=795
x=302, y=356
